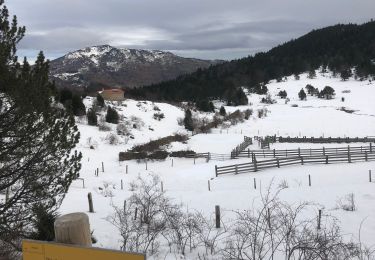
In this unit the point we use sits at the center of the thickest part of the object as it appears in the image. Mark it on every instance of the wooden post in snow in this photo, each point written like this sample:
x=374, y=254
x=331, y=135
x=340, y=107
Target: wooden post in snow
x=7, y=195
x=73, y=229
x=319, y=218
x=209, y=185
x=369, y=176
x=309, y=180
x=102, y=166
x=91, y=205
x=217, y=216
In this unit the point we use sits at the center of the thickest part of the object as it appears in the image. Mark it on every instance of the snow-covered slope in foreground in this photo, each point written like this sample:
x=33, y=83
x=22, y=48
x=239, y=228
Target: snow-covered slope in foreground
x=186, y=182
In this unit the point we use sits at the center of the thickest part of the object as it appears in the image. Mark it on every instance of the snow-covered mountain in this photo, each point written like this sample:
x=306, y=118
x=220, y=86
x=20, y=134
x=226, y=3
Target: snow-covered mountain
x=107, y=66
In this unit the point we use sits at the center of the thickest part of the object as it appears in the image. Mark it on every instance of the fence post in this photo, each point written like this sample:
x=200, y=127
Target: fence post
x=216, y=170
x=126, y=169
x=255, y=184
x=91, y=205
x=209, y=186
x=217, y=216
x=349, y=159
x=324, y=151
x=122, y=184
x=248, y=153
x=301, y=160
x=172, y=162
x=135, y=213
x=162, y=186
x=236, y=170
x=326, y=159
x=370, y=147
x=369, y=176
x=255, y=164
x=146, y=164
x=102, y=166
x=208, y=157
x=274, y=153
x=366, y=159
x=299, y=151
x=73, y=229
x=319, y=218
x=309, y=180
x=7, y=195
x=278, y=162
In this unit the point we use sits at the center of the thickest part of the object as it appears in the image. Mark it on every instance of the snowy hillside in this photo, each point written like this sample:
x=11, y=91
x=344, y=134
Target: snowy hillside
x=186, y=180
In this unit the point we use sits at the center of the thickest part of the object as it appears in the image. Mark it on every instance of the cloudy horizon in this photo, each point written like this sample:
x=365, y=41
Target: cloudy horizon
x=210, y=29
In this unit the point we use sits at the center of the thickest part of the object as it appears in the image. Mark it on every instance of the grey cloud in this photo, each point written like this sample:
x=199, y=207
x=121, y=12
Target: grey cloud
x=207, y=28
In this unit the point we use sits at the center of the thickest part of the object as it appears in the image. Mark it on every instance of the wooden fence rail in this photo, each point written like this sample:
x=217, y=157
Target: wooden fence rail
x=305, y=139
x=247, y=141
x=276, y=153
x=255, y=165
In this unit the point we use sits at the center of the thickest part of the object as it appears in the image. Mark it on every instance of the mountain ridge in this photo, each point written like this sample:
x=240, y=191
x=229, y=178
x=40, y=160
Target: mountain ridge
x=104, y=66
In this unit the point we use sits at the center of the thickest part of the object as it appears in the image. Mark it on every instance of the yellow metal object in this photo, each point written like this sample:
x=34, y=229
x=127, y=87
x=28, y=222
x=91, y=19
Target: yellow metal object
x=39, y=250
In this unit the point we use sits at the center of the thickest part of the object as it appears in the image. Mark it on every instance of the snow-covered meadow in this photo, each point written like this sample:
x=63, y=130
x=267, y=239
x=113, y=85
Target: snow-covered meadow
x=187, y=182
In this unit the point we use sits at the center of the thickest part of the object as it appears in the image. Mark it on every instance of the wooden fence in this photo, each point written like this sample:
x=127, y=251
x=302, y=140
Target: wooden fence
x=211, y=156
x=295, y=160
x=265, y=153
x=280, y=139
x=239, y=148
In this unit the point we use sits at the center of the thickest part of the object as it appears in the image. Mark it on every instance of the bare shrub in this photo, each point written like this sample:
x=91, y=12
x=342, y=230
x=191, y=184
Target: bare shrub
x=141, y=233
x=107, y=190
x=122, y=129
x=112, y=139
x=104, y=127
x=136, y=123
x=347, y=203
x=159, y=116
x=283, y=184
x=248, y=113
x=91, y=143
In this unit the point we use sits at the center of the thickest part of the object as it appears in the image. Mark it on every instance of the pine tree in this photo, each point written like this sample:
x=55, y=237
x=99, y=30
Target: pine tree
x=312, y=74
x=222, y=111
x=92, y=118
x=345, y=74
x=302, y=94
x=37, y=138
x=78, y=108
x=188, y=120
x=282, y=94
x=100, y=100
x=111, y=116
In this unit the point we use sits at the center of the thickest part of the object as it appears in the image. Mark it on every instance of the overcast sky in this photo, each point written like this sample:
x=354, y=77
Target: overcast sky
x=209, y=29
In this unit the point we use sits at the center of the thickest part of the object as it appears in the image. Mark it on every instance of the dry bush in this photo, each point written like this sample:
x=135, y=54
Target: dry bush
x=122, y=129
x=112, y=139
x=263, y=112
x=159, y=116
x=347, y=203
x=157, y=144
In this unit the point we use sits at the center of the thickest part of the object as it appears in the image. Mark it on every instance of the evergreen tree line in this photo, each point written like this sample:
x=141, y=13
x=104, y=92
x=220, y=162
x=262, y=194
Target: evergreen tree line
x=37, y=142
x=337, y=48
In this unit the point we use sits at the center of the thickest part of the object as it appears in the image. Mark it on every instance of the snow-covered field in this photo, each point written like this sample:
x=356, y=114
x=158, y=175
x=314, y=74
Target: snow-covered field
x=186, y=182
